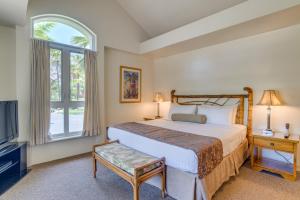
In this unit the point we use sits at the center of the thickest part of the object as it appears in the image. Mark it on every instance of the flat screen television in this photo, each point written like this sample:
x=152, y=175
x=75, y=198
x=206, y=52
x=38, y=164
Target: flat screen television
x=8, y=121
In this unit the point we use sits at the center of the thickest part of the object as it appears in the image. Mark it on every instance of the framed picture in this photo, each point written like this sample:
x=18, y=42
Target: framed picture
x=130, y=84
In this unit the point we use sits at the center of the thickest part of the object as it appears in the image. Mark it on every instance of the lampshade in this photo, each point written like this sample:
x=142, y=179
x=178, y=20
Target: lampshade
x=270, y=98
x=158, y=97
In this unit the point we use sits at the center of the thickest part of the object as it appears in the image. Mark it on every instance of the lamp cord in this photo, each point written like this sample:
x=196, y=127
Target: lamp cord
x=286, y=159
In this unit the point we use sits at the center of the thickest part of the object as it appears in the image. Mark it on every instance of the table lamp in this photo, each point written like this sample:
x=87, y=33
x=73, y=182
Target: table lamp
x=158, y=97
x=270, y=98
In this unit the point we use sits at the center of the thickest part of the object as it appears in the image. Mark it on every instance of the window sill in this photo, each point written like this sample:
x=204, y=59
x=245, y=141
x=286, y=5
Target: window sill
x=58, y=139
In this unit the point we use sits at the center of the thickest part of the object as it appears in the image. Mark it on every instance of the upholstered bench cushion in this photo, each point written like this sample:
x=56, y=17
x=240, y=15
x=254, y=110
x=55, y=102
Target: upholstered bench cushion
x=126, y=158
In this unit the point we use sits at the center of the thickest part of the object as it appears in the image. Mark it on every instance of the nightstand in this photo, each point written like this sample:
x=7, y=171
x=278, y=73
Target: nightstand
x=151, y=118
x=275, y=142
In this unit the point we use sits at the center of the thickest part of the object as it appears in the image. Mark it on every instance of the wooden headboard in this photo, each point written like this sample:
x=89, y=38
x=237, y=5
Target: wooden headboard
x=221, y=100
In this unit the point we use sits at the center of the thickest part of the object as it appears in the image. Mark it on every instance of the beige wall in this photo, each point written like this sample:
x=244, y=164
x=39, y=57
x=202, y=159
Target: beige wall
x=7, y=63
x=269, y=60
x=106, y=18
x=113, y=28
x=115, y=111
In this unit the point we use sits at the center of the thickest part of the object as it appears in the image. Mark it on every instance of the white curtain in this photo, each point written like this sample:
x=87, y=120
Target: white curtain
x=91, y=124
x=40, y=92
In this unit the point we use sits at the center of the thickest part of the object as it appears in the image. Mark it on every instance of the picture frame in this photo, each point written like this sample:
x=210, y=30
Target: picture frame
x=130, y=84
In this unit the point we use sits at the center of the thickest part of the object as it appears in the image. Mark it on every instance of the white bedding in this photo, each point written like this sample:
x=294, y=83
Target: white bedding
x=177, y=157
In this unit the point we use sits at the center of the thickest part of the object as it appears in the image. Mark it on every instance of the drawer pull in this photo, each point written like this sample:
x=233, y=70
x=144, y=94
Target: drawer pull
x=272, y=144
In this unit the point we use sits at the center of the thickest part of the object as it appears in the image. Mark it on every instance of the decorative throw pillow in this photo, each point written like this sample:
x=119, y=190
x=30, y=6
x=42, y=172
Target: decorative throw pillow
x=201, y=119
x=183, y=109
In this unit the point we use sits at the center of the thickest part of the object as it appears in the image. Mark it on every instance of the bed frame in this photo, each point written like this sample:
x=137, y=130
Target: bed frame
x=221, y=100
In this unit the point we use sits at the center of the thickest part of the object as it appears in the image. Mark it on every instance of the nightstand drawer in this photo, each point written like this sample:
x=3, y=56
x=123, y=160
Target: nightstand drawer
x=278, y=145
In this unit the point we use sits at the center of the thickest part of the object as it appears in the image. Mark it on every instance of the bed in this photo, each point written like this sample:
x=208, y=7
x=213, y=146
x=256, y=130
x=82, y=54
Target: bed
x=183, y=181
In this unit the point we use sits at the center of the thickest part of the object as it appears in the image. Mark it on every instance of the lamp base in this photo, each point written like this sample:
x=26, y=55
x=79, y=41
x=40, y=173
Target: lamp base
x=268, y=132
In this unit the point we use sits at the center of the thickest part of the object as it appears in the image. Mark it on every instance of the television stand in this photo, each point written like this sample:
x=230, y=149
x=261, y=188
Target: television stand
x=8, y=147
x=13, y=164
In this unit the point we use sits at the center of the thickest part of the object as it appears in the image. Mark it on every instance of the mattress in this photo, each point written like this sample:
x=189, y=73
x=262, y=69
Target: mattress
x=180, y=158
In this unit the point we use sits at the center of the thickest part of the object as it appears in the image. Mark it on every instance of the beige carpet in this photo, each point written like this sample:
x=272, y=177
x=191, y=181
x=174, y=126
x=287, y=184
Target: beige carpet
x=72, y=180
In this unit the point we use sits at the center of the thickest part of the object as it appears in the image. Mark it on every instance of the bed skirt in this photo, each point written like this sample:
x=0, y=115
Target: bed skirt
x=188, y=186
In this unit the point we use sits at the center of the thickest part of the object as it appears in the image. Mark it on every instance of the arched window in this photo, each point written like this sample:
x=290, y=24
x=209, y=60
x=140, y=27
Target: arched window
x=64, y=30
x=68, y=39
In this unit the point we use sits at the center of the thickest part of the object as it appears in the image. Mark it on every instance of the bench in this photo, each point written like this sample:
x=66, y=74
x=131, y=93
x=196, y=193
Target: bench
x=133, y=166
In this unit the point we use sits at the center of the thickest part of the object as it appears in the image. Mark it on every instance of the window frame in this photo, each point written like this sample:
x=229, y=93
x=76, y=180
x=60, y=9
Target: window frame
x=66, y=50
x=67, y=21
x=66, y=103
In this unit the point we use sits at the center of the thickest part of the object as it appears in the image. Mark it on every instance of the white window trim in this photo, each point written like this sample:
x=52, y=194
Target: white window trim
x=68, y=21
x=65, y=89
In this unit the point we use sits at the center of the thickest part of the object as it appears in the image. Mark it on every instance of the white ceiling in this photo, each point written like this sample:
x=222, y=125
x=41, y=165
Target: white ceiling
x=160, y=16
x=13, y=12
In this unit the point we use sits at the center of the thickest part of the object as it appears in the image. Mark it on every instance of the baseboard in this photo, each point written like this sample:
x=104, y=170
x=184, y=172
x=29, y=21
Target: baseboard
x=61, y=160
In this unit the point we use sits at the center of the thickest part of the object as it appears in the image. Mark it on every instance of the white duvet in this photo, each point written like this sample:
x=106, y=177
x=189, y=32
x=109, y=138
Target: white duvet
x=184, y=159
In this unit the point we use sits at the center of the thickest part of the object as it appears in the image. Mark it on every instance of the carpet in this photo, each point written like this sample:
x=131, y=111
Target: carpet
x=71, y=179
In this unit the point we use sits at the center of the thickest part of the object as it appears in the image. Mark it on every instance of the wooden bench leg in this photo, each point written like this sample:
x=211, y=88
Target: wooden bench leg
x=163, y=184
x=94, y=166
x=136, y=189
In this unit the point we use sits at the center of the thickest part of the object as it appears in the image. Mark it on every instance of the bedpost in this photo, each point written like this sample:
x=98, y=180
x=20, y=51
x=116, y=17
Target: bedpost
x=172, y=96
x=250, y=108
x=241, y=111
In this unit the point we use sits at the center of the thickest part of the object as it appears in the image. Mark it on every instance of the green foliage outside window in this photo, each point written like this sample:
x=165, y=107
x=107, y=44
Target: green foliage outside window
x=77, y=77
x=42, y=30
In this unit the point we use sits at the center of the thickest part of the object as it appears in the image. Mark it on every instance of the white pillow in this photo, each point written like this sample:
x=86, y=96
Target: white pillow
x=182, y=109
x=218, y=114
